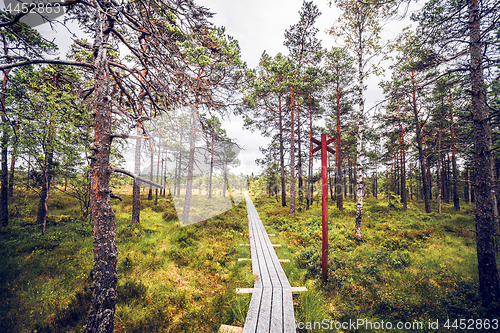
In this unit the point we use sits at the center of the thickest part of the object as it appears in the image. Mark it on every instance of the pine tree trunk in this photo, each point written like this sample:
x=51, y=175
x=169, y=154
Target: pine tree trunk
x=418, y=136
x=44, y=193
x=136, y=190
x=469, y=188
x=12, y=168
x=439, y=178
x=151, y=168
x=376, y=172
x=310, y=166
x=338, y=154
x=157, y=172
x=282, y=155
x=487, y=266
x=4, y=194
x=179, y=167
x=456, y=199
x=189, y=184
x=404, y=196
x=299, y=162
x=4, y=191
x=211, y=168
x=165, y=185
x=292, y=154
x=104, y=272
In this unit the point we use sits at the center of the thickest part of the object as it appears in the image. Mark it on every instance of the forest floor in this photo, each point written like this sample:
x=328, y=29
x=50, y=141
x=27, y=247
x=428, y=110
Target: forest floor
x=410, y=266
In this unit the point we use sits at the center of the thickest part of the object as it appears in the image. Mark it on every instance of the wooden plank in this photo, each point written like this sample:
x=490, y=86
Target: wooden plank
x=264, y=321
x=288, y=314
x=230, y=329
x=277, y=310
x=296, y=290
x=244, y=290
x=271, y=306
x=253, y=312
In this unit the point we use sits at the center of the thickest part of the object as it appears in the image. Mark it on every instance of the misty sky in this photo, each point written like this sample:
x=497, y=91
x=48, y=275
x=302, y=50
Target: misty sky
x=258, y=25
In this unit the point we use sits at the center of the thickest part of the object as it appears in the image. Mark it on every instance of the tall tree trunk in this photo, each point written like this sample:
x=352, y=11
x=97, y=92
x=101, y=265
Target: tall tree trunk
x=487, y=266
x=136, y=190
x=104, y=272
x=299, y=162
x=456, y=199
x=310, y=166
x=292, y=153
x=469, y=188
x=282, y=154
x=404, y=196
x=439, y=178
x=429, y=176
x=165, y=185
x=376, y=172
x=44, y=193
x=158, y=171
x=151, y=168
x=179, y=168
x=4, y=194
x=12, y=167
x=211, y=168
x=359, y=145
x=418, y=135
x=189, y=184
x=446, y=179
x=330, y=180
x=338, y=152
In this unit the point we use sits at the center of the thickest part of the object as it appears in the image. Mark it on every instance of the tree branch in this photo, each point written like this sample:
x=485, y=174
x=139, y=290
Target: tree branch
x=47, y=61
x=144, y=180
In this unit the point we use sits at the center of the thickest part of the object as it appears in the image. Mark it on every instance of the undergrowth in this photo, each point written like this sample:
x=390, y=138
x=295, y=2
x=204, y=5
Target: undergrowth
x=171, y=278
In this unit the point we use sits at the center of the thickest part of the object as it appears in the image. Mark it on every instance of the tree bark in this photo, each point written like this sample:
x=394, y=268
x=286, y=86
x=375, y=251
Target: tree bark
x=4, y=194
x=439, y=178
x=299, y=162
x=189, y=185
x=104, y=272
x=487, y=266
x=456, y=199
x=421, y=158
x=359, y=145
x=404, y=196
x=151, y=168
x=158, y=171
x=292, y=153
x=338, y=153
x=310, y=164
x=44, y=193
x=12, y=167
x=211, y=168
x=282, y=155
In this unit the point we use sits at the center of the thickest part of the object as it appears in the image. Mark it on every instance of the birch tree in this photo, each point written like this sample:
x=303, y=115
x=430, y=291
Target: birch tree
x=359, y=28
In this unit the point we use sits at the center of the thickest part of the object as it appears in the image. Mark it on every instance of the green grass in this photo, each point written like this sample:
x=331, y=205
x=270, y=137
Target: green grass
x=410, y=266
x=172, y=278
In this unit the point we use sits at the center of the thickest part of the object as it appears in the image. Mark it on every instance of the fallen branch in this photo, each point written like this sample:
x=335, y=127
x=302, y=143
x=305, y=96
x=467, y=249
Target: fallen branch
x=116, y=196
x=144, y=180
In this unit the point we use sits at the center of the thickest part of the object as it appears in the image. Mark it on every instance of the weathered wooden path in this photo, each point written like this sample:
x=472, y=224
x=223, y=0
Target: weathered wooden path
x=271, y=306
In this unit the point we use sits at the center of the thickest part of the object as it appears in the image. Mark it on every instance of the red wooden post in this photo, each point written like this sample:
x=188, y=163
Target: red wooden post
x=323, y=146
x=324, y=207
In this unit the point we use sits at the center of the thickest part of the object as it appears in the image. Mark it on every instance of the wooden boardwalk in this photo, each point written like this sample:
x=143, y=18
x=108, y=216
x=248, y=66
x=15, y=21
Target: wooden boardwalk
x=271, y=306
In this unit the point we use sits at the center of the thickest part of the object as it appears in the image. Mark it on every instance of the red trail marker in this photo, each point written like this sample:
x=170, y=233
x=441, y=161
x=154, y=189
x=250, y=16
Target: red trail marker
x=323, y=146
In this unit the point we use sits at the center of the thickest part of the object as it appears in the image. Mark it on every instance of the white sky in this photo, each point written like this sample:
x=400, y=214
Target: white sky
x=258, y=25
